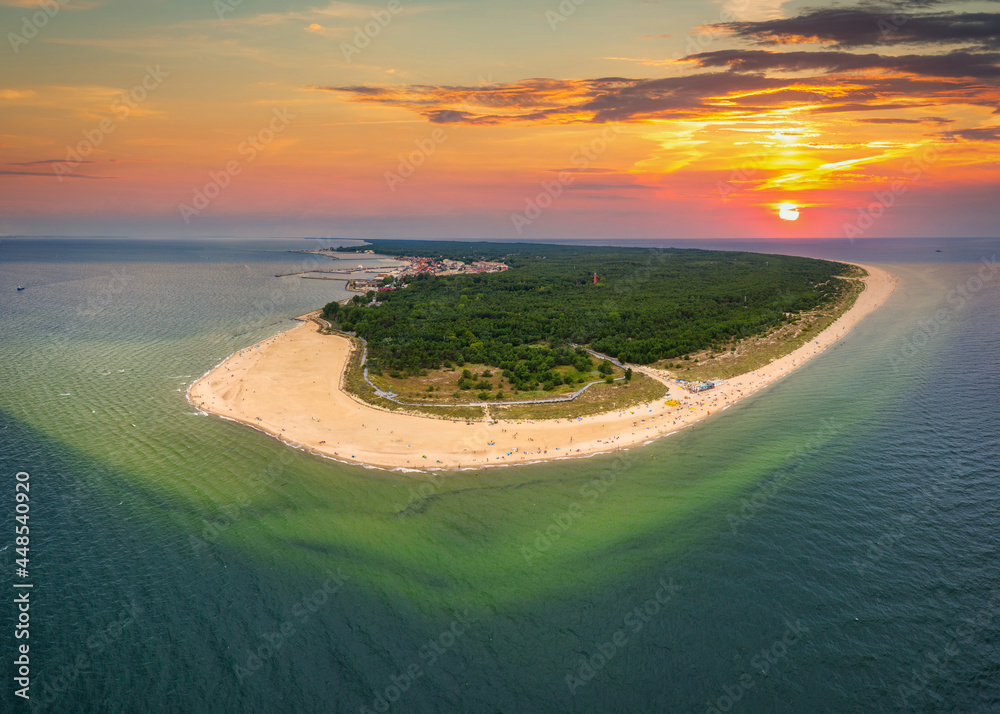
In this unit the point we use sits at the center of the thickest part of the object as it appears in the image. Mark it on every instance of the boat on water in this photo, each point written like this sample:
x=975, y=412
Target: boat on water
x=20, y=288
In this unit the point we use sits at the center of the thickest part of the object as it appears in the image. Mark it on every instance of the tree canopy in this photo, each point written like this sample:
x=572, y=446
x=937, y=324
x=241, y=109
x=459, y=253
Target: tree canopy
x=647, y=304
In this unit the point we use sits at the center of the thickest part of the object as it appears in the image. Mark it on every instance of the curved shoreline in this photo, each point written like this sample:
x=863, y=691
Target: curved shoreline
x=288, y=386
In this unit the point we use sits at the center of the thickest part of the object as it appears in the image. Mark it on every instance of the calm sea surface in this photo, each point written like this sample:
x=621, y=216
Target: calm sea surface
x=831, y=544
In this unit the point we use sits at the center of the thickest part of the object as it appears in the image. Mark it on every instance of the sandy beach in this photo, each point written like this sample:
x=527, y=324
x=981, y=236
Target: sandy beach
x=289, y=387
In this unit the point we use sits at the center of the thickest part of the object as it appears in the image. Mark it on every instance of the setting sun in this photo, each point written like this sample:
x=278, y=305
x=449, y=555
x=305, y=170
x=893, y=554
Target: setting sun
x=788, y=212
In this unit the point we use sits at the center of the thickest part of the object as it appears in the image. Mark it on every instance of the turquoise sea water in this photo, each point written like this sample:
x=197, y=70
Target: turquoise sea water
x=830, y=544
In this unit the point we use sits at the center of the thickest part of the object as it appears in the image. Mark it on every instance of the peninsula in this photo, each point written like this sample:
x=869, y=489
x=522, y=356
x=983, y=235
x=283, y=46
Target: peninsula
x=480, y=369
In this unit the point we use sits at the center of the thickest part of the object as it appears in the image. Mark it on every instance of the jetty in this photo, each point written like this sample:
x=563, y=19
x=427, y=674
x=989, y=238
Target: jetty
x=340, y=271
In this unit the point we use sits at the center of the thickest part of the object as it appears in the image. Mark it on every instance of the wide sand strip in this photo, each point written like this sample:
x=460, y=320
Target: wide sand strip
x=289, y=386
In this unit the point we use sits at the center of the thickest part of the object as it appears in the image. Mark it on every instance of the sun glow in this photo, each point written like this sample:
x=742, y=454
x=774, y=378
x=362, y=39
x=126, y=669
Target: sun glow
x=788, y=212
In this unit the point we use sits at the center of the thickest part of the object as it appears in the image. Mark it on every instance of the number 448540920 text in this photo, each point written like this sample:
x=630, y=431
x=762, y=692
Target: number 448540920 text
x=21, y=531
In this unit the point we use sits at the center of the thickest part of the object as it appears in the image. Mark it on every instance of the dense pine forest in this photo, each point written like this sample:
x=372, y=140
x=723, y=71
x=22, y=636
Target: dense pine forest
x=648, y=304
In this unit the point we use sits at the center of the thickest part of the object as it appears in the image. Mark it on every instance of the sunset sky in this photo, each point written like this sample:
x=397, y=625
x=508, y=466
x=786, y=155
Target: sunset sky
x=519, y=119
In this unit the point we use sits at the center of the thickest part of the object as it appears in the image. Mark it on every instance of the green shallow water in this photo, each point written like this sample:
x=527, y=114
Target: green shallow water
x=838, y=497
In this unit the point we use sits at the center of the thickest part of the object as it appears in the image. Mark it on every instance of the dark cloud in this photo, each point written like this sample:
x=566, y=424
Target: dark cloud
x=735, y=84
x=47, y=161
x=991, y=133
x=592, y=186
x=452, y=116
x=670, y=97
x=600, y=101
x=48, y=174
x=362, y=90
x=897, y=120
x=869, y=107
x=845, y=84
x=580, y=170
x=869, y=25
x=983, y=65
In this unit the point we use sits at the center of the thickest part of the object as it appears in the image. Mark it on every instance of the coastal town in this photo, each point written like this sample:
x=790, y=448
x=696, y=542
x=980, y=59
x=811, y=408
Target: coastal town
x=391, y=275
x=411, y=266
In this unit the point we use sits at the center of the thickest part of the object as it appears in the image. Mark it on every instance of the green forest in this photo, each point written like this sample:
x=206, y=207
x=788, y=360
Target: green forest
x=648, y=304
